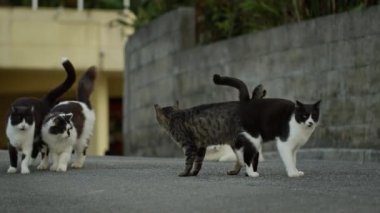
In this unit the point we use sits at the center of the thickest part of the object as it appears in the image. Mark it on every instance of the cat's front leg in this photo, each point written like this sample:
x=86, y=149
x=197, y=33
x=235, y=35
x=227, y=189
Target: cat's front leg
x=301, y=173
x=286, y=153
x=55, y=159
x=80, y=156
x=190, y=153
x=63, y=160
x=26, y=156
x=201, y=152
x=13, y=159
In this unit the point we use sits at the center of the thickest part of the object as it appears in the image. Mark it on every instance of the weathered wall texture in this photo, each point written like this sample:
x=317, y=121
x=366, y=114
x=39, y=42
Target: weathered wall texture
x=334, y=58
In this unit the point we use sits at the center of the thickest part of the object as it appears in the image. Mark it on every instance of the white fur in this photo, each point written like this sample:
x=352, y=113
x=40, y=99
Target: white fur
x=220, y=153
x=61, y=151
x=299, y=134
x=21, y=140
x=60, y=147
x=64, y=59
x=257, y=142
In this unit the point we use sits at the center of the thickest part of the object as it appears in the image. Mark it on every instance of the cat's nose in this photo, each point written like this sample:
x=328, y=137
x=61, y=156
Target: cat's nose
x=309, y=124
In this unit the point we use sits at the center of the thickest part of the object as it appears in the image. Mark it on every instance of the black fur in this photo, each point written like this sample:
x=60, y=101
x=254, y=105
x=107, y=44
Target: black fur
x=257, y=93
x=270, y=118
x=233, y=82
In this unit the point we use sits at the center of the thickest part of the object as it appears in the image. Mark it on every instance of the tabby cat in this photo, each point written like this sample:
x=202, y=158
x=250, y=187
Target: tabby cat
x=243, y=125
x=69, y=126
x=24, y=122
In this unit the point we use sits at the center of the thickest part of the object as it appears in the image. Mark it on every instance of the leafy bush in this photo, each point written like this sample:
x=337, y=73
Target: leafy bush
x=221, y=19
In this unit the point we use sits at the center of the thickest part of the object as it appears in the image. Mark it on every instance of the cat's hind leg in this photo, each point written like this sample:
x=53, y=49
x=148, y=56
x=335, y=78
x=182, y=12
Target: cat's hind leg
x=236, y=169
x=249, y=153
x=13, y=159
x=80, y=156
x=201, y=152
x=44, y=164
x=190, y=151
x=238, y=165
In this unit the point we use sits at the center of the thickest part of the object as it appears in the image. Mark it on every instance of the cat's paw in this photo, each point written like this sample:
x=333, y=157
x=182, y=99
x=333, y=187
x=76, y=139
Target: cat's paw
x=233, y=172
x=33, y=162
x=184, y=174
x=12, y=170
x=253, y=174
x=43, y=166
x=62, y=168
x=76, y=165
x=301, y=173
x=25, y=171
x=294, y=174
x=194, y=173
x=53, y=168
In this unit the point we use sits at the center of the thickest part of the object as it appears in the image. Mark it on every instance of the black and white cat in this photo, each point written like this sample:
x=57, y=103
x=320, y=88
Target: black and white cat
x=243, y=125
x=289, y=124
x=275, y=119
x=69, y=126
x=24, y=122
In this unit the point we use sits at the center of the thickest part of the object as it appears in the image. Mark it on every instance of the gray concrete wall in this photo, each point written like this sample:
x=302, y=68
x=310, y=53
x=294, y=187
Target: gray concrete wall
x=334, y=58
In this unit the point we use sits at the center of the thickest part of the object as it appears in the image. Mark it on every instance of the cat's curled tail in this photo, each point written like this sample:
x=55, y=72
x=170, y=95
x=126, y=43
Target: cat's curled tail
x=257, y=93
x=86, y=86
x=57, y=92
x=233, y=82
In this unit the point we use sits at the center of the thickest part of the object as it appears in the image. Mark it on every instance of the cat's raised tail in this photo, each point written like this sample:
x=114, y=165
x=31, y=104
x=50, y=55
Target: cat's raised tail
x=86, y=86
x=57, y=92
x=233, y=82
x=258, y=93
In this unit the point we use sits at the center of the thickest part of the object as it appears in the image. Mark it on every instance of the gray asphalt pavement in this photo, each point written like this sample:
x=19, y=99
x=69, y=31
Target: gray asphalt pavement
x=126, y=184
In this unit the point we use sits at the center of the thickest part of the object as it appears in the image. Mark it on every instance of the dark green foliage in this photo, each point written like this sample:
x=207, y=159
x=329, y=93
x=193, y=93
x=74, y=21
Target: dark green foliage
x=147, y=10
x=221, y=19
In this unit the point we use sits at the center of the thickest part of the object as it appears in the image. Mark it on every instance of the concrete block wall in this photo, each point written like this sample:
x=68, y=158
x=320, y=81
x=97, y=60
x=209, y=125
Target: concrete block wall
x=334, y=58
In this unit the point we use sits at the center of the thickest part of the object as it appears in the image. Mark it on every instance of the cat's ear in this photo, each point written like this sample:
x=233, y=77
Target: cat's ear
x=299, y=104
x=316, y=105
x=13, y=109
x=157, y=108
x=264, y=94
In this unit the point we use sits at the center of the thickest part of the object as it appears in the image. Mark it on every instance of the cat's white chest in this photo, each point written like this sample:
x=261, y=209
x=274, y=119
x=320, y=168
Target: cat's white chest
x=299, y=133
x=20, y=138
